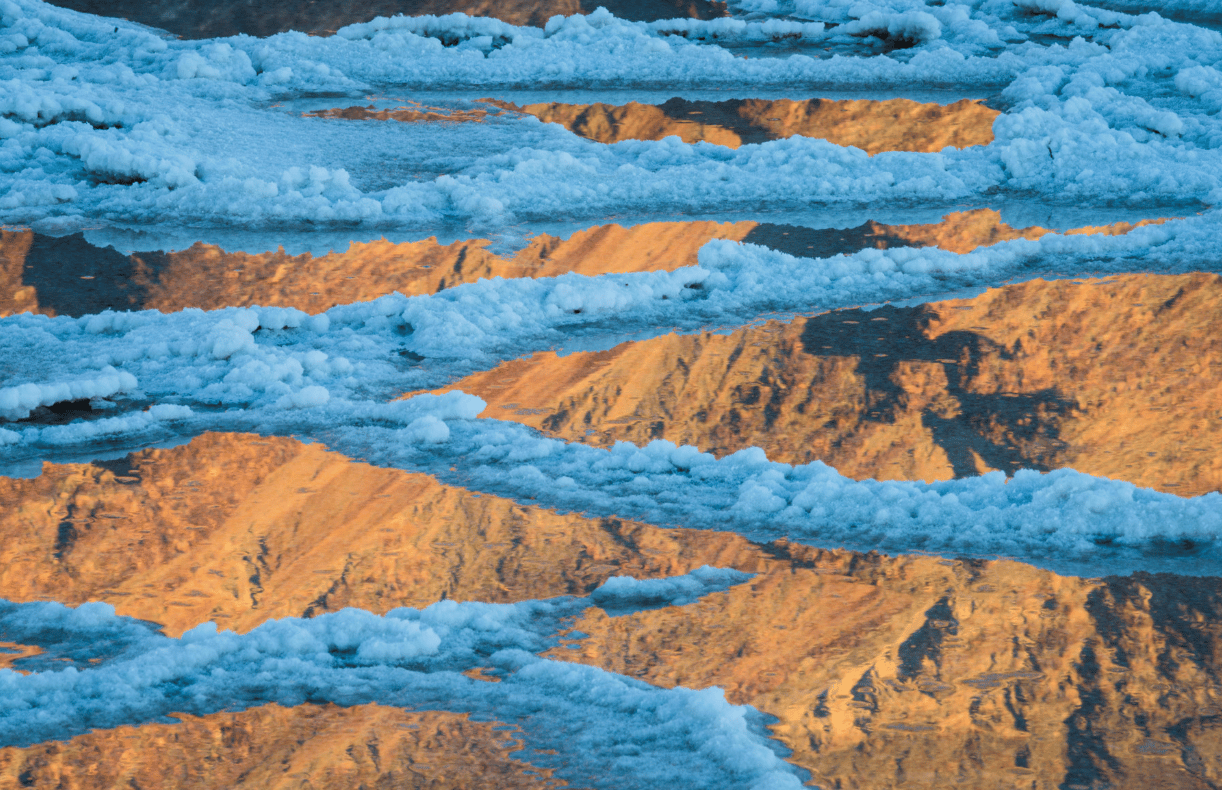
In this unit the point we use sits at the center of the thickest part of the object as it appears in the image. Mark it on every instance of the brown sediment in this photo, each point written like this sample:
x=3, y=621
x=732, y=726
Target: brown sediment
x=411, y=112
x=69, y=276
x=277, y=748
x=871, y=125
x=1118, y=377
x=237, y=529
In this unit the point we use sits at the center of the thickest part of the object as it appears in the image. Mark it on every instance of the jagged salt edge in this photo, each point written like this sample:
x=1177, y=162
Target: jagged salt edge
x=263, y=360
x=1063, y=137
x=411, y=658
x=1062, y=515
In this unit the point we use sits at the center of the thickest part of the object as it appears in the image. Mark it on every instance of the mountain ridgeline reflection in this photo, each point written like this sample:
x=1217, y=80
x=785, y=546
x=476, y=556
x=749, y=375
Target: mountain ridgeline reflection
x=881, y=671
x=278, y=748
x=237, y=528
x=70, y=276
x=869, y=124
x=1117, y=377
x=919, y=672
x=872, y=125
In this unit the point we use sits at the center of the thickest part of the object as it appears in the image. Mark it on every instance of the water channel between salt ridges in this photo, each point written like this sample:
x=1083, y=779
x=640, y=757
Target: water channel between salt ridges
x=760, y=394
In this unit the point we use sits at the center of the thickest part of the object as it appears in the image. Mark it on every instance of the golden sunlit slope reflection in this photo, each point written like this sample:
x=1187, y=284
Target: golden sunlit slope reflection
x=920, y=672
x=69, y=276
x=871, y=125
x=238, y=529
x=883, y=672
x=1118, y=377
x=276, y=748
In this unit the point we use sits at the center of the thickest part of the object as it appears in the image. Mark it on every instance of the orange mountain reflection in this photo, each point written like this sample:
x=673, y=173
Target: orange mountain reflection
x=871, y=125
x=276, y=748
x=69, y=276
x=882, y=671
x=1118, y=377
x=211, y=20
x=237, y=529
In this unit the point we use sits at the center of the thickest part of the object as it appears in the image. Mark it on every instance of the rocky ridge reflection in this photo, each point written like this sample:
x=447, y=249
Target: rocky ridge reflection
x=869, y=124
x=919, y=672
x=277, y=748
x=70, y=276
x=1116, y=377
x=882, y=671
x=237, y=528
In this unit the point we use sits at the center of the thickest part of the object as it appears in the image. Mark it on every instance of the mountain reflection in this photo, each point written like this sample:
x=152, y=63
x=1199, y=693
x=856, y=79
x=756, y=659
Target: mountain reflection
x=881, y=671
x=1117, y=377
x=70, y=276
x=238, y=528
x=871, y=125
x=920, y=672
x=276, y=748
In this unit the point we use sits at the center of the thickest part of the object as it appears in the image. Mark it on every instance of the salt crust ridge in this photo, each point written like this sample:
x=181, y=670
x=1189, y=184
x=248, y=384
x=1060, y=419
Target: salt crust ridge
x=111, y=122
x=1064, y=518
x=280, y=371
x=102, y=121
x=625, y=731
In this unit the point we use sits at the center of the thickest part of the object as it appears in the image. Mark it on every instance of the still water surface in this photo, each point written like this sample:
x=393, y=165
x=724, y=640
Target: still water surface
x=875, y=671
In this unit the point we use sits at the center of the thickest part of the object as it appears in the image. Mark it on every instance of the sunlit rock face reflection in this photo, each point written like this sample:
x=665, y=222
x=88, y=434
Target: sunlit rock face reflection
x=882, y=672
x=276, y=748
x=371, y=589
x=921, y=672
x=1118, y=377
x=871, y=125
x=238, y=529
x=69, y=276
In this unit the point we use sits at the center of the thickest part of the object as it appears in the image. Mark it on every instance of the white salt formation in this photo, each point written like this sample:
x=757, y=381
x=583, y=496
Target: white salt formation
x=118, y=129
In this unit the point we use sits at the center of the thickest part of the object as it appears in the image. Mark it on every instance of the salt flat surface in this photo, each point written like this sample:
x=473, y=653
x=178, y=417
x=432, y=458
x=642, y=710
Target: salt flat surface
x=145, y=142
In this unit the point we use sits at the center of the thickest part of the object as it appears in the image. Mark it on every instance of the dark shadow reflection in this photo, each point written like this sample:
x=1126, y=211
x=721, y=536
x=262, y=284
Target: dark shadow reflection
x=805, y=242
x=879, y=669
x=1008, y=431
x=73, y=277
x=194, y=19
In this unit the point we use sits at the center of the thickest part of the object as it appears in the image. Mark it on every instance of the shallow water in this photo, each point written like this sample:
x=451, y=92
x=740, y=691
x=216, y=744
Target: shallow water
x=877, y=668
x=458, y=603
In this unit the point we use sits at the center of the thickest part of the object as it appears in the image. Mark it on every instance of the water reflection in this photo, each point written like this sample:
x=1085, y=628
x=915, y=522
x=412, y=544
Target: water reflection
x=272, y=747
x=12, y=652
x=70, y=276
x=238, y=528
x=192, y=19
x=920, y=672
x=1117, y=377
x=407, y=112
x=871, y=125
x=882, y=671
